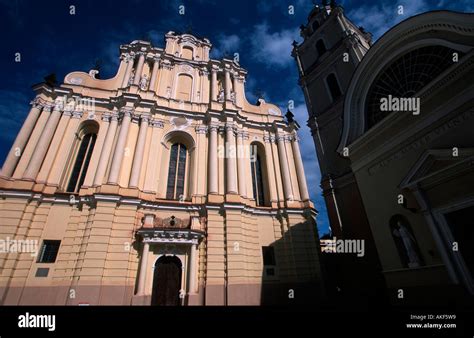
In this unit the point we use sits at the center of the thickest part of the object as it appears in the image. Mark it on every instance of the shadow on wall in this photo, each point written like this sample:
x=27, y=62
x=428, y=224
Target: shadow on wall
x=291, y=271
x=296, y=272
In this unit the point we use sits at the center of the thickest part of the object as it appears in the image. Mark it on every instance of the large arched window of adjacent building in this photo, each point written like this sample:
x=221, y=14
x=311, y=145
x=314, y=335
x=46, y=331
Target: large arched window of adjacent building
x=81, y=155
x=257, y=170
x=406, y=76
x=320, y=47
x=405, y=242
x=333, y=86
x=176, y=172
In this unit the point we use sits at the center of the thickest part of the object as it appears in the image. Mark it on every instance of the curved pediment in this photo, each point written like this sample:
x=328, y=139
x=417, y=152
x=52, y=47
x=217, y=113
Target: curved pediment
x=89, y=80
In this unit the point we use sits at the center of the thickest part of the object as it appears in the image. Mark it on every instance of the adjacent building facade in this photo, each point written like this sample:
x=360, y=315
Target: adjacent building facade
x=161, y=185
x=394, y=121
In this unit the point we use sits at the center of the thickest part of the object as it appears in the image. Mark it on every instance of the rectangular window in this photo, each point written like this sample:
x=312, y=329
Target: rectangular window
x=268, y=253
x=42, y=272
x=49, y=251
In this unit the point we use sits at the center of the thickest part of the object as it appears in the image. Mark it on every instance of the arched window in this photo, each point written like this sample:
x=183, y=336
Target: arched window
x=333, y=86
x=315, y=25
x=406, y=76
x=176, y=172
x=256, y=166
x=187, y=53
x=320, y=47
x=83, y=152
x=184, y=87
x=405, y=241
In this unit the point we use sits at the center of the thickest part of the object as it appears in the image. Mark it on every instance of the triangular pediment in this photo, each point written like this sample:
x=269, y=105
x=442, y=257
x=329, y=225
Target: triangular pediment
x=434, y=161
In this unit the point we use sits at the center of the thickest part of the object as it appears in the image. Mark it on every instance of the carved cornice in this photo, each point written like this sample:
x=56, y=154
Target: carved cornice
x=201, y=129
x=58, y=105
x=156, y=58
x=145, y=118
x=135, y=118
x=157, y=124
x=127, y=57
x=213, y=127
x=106, y=117
x=284, y=138
x=47, y=107
x=114, y=116
x=77, y=114
x=269, y=139
x=166, y=64
x=124, y=111
x=37, y=103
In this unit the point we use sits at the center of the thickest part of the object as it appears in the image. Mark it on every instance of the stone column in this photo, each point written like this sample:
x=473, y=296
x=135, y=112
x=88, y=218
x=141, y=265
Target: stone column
x=153, y=167
x=213, y=84
x=143, y=269
x=43, y=144
x=21, y=139
x=192, y=269
x=231, y=178
x=154, y=73
x=65, y=148
x=52, y=153
x=200, y=184
x=129, y=59
x=227, y=84
x=300, y=169
x=139, y=151
x=204, y=76
x=139, y=70
x=235, y=81
x=241, y=162
x=270, y=167
x=212, y=175
x=236, y=84
x=106, y=148
x=165, y=83
x=119, y=147
x=285, y=170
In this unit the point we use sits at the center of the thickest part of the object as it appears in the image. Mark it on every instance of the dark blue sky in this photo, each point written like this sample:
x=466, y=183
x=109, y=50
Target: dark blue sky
x=51, y=40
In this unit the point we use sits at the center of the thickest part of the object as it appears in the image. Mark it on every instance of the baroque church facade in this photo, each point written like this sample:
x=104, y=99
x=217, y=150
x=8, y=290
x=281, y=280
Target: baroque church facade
x=401, y=179
x=162, y=185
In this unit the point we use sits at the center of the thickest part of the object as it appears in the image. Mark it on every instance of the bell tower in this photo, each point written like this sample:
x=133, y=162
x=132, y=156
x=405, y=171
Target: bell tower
x=332, y=48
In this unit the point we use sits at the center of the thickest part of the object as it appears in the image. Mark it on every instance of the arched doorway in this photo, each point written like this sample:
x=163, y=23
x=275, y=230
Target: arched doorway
x=167, y=281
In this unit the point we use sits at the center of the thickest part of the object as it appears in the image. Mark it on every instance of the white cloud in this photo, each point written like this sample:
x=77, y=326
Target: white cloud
x=273, y=48
x=382, y=16
x=225, y=44
x=229, y=42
